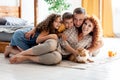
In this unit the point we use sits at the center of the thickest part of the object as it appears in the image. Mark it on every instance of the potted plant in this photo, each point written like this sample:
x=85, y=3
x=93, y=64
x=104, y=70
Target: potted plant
x=57, y=5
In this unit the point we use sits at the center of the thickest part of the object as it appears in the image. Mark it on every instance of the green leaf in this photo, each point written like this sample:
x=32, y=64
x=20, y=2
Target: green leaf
x=57, y=5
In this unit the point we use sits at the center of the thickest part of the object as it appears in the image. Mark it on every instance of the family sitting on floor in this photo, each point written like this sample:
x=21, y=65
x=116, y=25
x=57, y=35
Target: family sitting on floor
x=78, y=39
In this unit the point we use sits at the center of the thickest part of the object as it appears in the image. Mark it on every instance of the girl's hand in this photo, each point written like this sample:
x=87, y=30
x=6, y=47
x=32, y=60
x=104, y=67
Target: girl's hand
x=29, y=34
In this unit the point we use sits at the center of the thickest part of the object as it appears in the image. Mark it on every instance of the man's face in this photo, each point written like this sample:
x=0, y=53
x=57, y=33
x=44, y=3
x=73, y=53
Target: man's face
x=68, y=23
x=78, y=19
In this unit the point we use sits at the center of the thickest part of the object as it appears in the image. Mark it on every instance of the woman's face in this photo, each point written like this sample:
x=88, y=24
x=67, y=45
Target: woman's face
x=57, y=23
x=87, y=27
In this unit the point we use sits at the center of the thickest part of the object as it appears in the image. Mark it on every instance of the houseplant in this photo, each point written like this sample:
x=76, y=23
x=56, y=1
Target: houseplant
x=57, y=5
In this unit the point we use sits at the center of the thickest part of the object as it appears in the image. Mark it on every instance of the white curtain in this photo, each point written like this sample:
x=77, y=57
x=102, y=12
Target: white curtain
x=116, y=17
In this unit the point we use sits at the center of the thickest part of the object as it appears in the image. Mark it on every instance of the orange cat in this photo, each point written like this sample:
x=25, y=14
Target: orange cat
x=83, y=56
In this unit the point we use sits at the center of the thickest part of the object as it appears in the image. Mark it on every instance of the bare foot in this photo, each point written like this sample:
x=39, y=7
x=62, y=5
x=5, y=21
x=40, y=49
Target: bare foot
x=7, y=51
x=17, y=59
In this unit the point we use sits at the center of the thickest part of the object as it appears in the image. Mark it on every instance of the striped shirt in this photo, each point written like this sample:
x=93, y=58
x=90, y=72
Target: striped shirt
x=72, y=40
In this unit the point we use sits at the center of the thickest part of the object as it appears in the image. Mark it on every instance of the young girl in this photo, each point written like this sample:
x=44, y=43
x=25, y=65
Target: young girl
x=46, y=40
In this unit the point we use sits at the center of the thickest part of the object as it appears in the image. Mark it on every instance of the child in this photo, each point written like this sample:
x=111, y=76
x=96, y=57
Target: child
x=67, y=20
x=46, y=43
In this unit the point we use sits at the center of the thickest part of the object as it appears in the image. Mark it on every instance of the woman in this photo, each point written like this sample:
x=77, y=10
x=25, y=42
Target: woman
x=46, y=40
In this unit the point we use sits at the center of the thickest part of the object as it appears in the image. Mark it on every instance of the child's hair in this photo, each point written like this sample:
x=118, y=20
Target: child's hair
x=67, y=15
x=97, y=30
x=47, y=24
x=79, y=10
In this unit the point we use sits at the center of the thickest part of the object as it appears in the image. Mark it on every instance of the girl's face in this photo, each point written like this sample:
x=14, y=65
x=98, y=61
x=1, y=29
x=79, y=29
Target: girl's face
x=87, y=27
x=57, y=23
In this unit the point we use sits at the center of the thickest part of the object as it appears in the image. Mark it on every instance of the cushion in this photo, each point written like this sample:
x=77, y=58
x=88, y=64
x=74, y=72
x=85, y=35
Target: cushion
x=13, y=21
x=2, y=21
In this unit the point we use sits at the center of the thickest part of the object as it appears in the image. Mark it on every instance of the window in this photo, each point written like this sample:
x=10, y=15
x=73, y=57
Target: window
x=116, y=17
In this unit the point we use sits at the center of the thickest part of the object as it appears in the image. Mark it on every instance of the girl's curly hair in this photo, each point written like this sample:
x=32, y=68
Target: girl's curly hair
x=97, y=30
x=47, y=24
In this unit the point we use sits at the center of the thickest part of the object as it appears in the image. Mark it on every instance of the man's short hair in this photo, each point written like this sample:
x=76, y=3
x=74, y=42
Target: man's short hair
x=79, y=10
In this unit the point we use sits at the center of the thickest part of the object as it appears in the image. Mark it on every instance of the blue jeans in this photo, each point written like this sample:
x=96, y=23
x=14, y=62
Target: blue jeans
x=18, y=39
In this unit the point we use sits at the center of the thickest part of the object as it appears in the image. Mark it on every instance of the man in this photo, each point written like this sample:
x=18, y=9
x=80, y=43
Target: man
x=79, y=16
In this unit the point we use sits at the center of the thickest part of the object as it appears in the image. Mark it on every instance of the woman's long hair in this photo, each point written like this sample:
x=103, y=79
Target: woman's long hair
x=47, y=24
x=97, y=30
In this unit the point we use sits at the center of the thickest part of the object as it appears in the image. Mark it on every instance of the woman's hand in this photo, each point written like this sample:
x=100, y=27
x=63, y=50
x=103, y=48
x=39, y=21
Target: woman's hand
x=29, y=34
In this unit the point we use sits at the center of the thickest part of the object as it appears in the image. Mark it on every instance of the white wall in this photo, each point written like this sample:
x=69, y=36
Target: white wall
x=116, y=17
x=28, y=8
x=43, y=8
x=9, y=2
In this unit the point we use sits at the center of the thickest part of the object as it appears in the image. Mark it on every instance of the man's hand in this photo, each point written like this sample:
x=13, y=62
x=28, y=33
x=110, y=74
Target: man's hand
x=64, y=37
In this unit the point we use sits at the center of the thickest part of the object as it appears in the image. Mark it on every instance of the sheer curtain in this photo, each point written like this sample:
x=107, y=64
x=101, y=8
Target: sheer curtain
x=92, y=7
x=107, y=18
x=116, y=17
x=103, y=10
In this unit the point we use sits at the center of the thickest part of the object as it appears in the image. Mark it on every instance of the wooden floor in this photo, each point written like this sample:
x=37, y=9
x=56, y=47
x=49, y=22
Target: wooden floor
x=106, y=69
